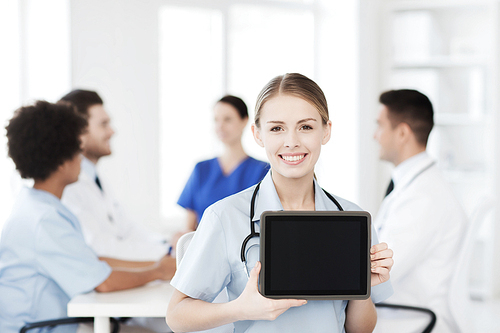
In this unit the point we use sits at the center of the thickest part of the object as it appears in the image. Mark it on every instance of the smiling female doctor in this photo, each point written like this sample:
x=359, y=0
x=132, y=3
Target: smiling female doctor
x=291, y=123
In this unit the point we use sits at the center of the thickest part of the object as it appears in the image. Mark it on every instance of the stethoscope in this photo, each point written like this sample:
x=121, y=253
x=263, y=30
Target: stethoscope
x=257, y=234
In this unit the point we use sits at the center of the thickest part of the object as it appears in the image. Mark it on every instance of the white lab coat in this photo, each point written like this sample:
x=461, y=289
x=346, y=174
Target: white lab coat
x=106, y=228
x=423, y=223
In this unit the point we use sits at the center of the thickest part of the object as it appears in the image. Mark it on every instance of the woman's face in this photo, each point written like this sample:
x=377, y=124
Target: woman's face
x=292, y=132
x=228, y=124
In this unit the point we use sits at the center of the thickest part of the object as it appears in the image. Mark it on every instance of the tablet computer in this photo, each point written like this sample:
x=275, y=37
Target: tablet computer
x=317, y=255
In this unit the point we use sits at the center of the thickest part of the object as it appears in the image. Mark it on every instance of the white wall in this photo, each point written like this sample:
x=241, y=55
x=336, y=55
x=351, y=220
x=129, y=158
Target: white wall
x=115, y=52
x=374, y=175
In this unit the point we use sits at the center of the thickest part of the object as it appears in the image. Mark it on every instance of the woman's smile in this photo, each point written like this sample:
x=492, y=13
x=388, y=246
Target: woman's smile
x=293, y=159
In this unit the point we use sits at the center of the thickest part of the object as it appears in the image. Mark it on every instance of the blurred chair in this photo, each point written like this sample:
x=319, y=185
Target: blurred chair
x=65, y=321
x=182, y=245
x=408, y=322
x=459, y=297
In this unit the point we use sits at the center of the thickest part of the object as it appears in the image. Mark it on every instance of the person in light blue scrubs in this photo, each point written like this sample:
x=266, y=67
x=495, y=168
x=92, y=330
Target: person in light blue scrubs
x=291, y=123
x=44, y=260
x=230, y=173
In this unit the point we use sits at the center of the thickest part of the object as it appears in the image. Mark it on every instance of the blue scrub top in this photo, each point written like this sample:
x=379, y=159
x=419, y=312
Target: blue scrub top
x=212, y=262
x=208, y=184
x=44, y=262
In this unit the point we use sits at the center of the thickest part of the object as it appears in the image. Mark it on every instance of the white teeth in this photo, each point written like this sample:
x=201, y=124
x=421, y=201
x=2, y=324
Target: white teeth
x=292, y=158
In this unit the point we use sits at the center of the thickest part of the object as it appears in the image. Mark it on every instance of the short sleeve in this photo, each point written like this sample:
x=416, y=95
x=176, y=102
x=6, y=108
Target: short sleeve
x=63, y=255
x=384, y=290
x=186, y=200
x=204, y=270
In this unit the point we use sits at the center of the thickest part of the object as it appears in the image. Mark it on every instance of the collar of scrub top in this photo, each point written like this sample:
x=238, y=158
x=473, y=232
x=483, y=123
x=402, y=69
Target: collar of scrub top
x=268, y=199
x=410, y=169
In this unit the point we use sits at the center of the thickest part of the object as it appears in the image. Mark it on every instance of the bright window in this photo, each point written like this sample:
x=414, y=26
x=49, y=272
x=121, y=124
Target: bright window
x=206, y=52
x=34, y=64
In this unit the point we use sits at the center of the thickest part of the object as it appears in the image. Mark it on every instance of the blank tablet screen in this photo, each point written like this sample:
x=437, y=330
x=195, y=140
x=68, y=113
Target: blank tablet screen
x=315, y=254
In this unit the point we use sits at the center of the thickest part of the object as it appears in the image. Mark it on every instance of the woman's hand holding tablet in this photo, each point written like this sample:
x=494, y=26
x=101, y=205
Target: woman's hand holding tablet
x=254, y=306
x=381, y=263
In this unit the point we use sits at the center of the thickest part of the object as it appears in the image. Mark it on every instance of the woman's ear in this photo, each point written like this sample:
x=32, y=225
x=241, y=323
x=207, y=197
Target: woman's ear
x=256, y=135
x=328, y=132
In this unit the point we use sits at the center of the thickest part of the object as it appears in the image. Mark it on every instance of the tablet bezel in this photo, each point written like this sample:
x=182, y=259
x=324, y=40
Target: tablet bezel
x=301, y=214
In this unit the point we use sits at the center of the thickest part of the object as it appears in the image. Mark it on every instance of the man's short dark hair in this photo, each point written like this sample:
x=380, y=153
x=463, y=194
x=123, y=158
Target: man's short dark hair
x=236, y=103
x=83, y=100
x=410, y=107
x=43, y=136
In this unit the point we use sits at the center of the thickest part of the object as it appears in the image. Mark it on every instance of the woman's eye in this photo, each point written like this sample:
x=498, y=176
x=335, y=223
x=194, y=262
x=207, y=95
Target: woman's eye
x=306, y=127
x=276, y=129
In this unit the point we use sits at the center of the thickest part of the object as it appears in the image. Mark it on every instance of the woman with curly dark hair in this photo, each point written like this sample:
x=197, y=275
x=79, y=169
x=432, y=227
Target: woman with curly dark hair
x=44, y=260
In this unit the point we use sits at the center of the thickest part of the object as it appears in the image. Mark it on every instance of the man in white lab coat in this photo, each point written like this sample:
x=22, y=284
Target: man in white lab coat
x=420, y=218
x=106, y=227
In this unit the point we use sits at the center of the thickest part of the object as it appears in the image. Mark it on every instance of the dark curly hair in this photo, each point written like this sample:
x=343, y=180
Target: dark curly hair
x=43, y=136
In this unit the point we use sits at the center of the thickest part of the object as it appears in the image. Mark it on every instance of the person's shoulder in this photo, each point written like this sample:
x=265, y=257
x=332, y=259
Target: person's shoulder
x=30, y=210
x=258, y=163
x=206, y=165
x=433, y=185
x=236, y=202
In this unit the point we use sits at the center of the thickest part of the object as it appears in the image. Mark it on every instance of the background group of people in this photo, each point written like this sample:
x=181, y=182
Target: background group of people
x=68, y=235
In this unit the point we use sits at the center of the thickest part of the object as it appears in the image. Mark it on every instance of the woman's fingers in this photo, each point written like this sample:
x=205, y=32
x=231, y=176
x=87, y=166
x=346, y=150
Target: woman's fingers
x=378, y=247
x=387, y=253
x=384, y=263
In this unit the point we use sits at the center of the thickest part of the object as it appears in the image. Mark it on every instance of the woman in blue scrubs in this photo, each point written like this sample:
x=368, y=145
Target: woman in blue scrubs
x=291, y=123
x=227, y=174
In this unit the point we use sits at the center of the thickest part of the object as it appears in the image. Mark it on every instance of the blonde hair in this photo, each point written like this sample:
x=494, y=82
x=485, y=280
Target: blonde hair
x=296, y=85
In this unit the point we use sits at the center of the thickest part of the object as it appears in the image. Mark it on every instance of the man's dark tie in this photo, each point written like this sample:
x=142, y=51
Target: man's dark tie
x=98, y=182
x=389, y=188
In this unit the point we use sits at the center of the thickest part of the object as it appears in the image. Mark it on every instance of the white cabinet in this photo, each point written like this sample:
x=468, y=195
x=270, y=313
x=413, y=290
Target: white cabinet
x=448, y=49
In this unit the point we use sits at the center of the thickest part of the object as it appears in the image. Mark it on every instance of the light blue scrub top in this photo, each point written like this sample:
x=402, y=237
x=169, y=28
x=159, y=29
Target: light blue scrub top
x=44, y=262
x=212, y=262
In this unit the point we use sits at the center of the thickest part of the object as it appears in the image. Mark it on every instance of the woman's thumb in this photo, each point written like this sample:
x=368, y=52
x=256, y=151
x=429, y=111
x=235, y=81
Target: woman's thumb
x=254, y=274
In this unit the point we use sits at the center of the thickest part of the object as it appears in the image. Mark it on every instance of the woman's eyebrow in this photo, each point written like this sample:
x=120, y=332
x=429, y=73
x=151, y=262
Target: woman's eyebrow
x=298, y=122
x=305, y=120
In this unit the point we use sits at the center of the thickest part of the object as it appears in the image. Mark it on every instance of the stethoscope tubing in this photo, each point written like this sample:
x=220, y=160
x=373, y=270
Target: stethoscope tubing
x=252, y=223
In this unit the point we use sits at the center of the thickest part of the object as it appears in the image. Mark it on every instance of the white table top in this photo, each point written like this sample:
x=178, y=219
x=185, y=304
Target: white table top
x=150, y=300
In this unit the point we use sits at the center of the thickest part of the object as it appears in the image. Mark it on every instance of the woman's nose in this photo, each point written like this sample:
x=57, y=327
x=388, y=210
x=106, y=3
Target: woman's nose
x=292, y=140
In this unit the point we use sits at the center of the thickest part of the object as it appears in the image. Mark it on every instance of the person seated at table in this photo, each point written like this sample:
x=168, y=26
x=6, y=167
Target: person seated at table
x=222, y=176
x=44, y=260
x=106, y=226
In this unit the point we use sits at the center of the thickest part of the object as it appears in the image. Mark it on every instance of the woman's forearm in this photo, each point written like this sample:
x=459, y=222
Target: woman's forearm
x=361, y=316
x=117, y=263
x=186, y=314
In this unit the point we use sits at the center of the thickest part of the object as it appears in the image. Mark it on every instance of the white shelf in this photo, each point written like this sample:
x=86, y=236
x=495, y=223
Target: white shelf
x=438, y=62
x=404, y=5
x=450, y=119
x=448, y=49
